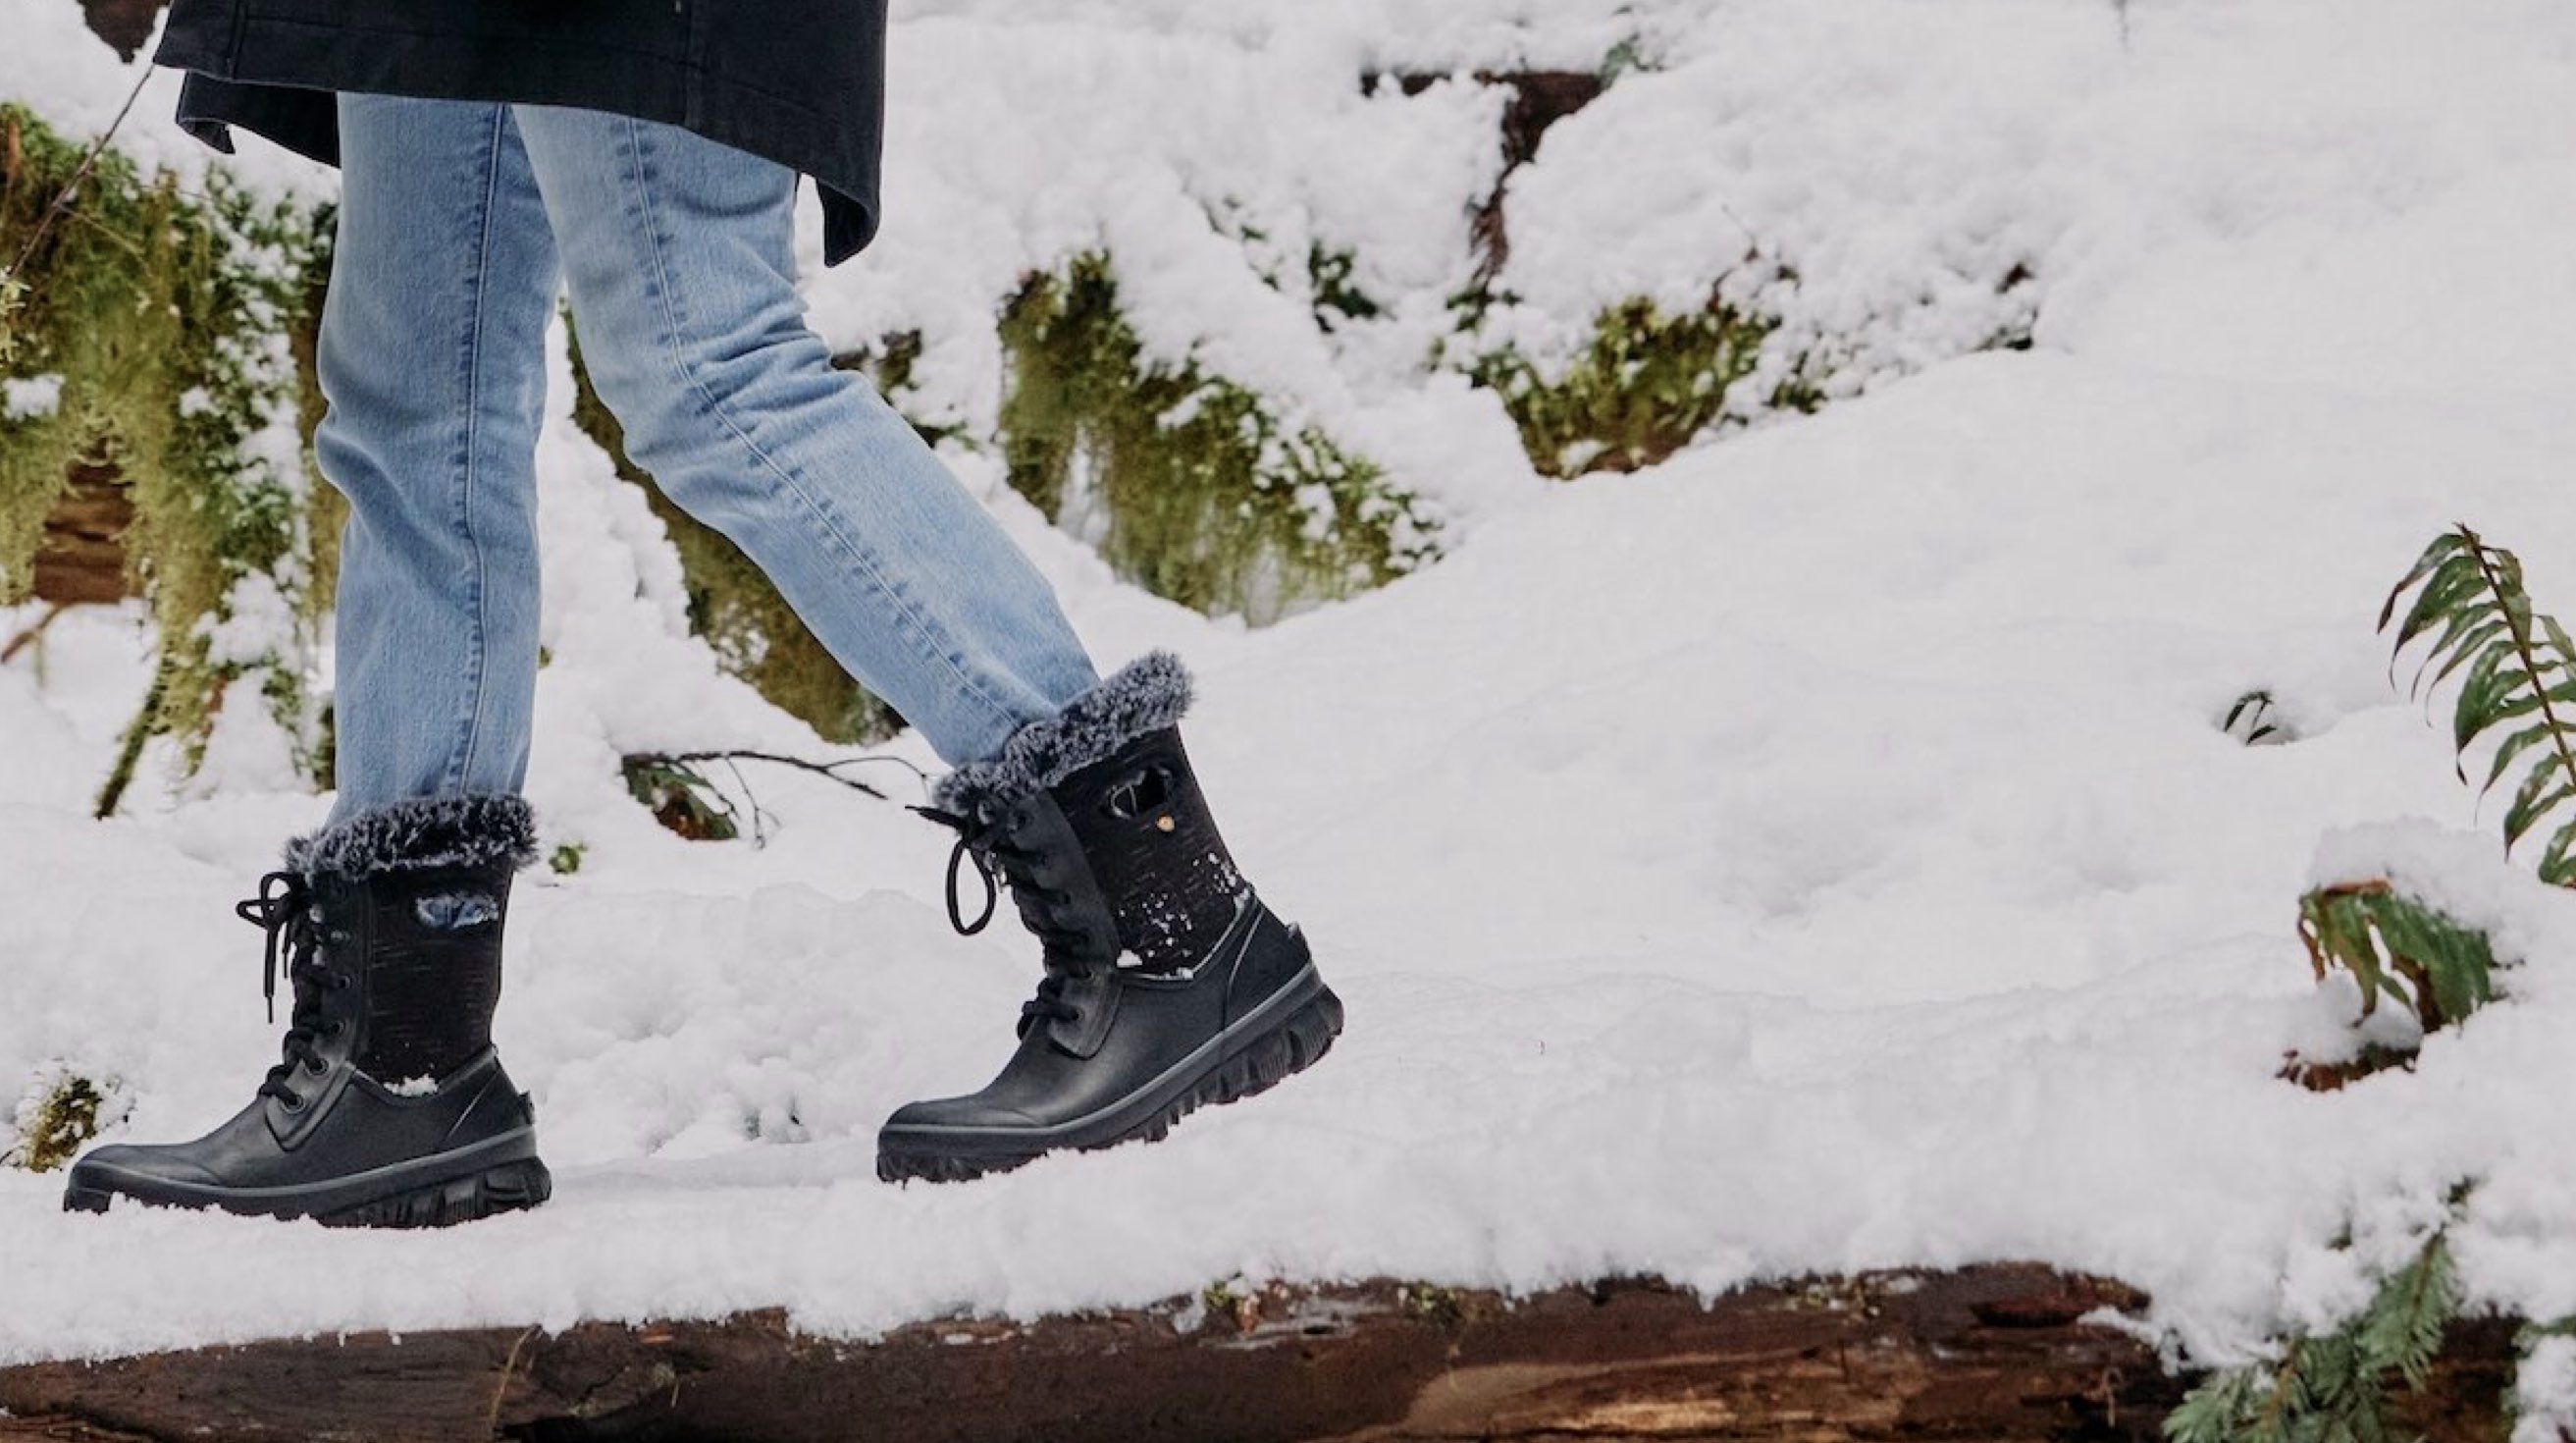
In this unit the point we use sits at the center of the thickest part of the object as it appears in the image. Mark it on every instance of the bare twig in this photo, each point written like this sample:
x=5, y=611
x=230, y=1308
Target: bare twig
x=759, y=814
x=500, y=1391
x=831, y=770
x=651, y=774
x=32, y=634
x=62, y=202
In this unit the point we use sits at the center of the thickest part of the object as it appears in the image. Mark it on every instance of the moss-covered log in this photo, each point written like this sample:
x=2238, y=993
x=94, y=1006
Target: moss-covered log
x=1646, y=385
x=148, y=345
x=1647, y=382
x=1191, y=485
x=757, y=636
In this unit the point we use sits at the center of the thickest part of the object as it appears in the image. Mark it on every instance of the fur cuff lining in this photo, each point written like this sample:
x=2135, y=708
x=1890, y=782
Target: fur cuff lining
x=1147, y=695
x=419, y=835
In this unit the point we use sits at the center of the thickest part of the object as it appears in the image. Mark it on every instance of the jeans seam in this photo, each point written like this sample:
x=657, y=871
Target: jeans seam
x=856, y=556
x=469, y=731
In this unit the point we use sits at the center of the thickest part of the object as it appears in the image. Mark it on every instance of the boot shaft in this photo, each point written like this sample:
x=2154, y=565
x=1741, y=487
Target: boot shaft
x=1097, y=819
x=406, y=906
x=1118, y=864
x=421, y=952
x=1157, y=867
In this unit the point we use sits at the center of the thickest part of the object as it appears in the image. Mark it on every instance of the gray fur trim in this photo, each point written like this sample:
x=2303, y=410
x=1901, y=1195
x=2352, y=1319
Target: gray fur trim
x=419, y=835
x=1147, y=695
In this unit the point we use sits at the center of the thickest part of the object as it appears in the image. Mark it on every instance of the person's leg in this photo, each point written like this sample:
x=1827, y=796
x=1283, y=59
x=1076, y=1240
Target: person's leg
x=679, y=255
x=1169, y=985
x=388, y=1106
x=432, y=357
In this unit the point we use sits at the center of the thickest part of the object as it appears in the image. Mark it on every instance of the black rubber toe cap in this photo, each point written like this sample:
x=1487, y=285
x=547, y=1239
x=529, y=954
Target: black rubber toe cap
x=145, y=1174
x=944, y=1113
x=133, y=1170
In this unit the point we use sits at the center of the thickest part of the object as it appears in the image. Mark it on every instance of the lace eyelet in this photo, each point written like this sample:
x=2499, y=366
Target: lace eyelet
x=316, y=1066
x=292, y=1102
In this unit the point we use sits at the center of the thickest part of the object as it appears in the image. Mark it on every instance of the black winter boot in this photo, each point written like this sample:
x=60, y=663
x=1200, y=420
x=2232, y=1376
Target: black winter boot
x=389, y=1108
x=1169, y=986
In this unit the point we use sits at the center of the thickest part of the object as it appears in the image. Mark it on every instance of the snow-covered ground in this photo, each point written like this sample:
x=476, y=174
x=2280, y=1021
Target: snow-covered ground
x=1818, y=853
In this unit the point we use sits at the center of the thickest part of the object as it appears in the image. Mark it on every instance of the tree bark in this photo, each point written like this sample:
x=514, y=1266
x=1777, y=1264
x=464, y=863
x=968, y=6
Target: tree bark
x=81, y=555
x=1992, y=1352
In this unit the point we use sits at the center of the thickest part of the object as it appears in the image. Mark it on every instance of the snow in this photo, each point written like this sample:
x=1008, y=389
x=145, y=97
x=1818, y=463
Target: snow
x=25, y=398
x=1818, y=853
x=2544, y=1395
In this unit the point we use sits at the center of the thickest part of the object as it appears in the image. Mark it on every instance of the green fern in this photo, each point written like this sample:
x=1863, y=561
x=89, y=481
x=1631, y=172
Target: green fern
x=2400, y=947
x=2402, y=1331
x=2229, y=1408
x=2333, y=1388
x=2255, y=720
x=2517, y=670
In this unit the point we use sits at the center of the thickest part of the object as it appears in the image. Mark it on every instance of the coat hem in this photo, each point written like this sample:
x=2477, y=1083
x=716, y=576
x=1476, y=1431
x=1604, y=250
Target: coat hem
x=300, y=111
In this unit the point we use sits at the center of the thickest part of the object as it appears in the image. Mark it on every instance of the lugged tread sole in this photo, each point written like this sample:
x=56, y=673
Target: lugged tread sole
x=486, y=1192
x=1260, y=1065
x=510, y=1187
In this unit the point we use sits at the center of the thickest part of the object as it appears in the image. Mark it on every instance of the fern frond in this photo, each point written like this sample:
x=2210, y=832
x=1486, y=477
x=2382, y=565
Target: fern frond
x=2393, y=944
x=2217, y=1410
x=2513, y=665
x=2333, y=1387
x=2254, y=720
x=2402, y=1329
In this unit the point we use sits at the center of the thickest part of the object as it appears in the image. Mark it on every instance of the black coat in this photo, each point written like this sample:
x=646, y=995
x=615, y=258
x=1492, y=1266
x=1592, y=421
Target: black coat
x=800, y=82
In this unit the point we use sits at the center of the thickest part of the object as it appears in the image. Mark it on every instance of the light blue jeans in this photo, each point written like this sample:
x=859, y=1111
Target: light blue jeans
x=457, y=220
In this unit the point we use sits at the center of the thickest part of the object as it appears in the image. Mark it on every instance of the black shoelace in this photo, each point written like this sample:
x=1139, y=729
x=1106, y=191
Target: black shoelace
x=283, y=909
x=999, y=863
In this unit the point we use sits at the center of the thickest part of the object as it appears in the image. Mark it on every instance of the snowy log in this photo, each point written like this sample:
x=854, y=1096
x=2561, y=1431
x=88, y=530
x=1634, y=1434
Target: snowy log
x=1999, y=1351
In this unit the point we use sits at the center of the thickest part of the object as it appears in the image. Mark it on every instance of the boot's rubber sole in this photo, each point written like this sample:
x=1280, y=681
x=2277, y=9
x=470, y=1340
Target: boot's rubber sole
x=497, y=1176
x=511, y=1187
x=1287, y=1034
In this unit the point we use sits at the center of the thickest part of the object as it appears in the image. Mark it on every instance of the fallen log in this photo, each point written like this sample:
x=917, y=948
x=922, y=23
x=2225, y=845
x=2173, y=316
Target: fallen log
x=1991, y=1352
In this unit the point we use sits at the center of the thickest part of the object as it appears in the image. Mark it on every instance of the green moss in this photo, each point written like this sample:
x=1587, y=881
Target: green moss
x=169, y=318
x=57, y=1117
x=1645, y=386
x=732, y=605
x=1228, y=1306
x=1331, y=277
x=1189, y=484
x=1439, y=1306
